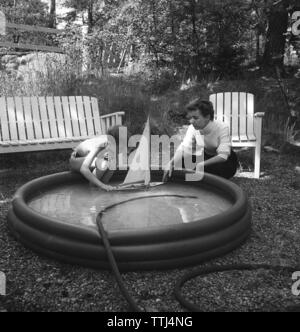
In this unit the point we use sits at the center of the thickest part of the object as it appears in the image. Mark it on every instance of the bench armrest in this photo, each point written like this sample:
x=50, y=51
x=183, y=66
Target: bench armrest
x=111, y=119
x=112, y=115
x=259, y=115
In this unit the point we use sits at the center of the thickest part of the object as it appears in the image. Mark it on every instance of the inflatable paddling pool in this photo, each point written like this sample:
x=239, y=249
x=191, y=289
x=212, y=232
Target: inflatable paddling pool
x=171, y=226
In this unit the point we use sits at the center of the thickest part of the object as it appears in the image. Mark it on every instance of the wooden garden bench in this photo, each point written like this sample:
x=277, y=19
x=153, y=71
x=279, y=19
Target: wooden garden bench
x=237, y=110
x=50, y=123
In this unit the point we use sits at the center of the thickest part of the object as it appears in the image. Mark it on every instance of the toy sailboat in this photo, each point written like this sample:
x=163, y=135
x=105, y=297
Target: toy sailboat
x=139, y=174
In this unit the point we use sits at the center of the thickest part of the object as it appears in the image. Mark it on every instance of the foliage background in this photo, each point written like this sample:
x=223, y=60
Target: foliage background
x=153, y=55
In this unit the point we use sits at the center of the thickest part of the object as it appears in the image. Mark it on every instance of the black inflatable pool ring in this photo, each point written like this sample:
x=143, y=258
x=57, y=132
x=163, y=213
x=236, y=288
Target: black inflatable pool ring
x=167, y=247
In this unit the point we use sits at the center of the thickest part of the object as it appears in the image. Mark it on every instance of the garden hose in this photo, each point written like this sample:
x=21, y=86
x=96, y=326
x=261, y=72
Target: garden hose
x=187, y=277
x=218, y=269
x=132, y=303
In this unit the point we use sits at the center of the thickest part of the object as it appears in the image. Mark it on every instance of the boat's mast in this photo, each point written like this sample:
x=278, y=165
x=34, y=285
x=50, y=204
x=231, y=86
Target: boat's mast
x=148, y=172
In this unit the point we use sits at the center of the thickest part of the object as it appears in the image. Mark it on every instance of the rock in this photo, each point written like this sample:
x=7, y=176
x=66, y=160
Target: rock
x=271, y=149
x=34, y=65
x=12, y=66
x=26, y=59
x=8, y=58
x=29, y=66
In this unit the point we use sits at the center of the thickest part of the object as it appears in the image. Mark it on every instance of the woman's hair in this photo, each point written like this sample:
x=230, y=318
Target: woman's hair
x=204, y=106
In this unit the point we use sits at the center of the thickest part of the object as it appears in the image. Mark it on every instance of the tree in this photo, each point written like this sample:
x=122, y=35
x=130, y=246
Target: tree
x=52, y=23
x=278, y=20
x=196, y=37
x=89, y=10
x=30, y=12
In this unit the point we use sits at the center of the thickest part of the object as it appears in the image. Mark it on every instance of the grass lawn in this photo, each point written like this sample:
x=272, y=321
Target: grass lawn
x=36, y=283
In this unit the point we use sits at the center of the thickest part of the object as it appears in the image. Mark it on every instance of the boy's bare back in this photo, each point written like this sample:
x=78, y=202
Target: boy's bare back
x=85, y=147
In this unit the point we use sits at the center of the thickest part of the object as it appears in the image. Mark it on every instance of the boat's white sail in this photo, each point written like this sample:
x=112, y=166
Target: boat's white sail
x=139, y=169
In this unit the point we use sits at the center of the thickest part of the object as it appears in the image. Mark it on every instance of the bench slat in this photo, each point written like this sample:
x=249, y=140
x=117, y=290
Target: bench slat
x=213, y=100
x=74, y=116
x=12, y=119
x=235, y=116
x=52, y=117
x=20, y=118
x=67, y=117
x=89, y=116
x=81, y=116
x=59, y=117
x=227, y=102
x=36, y=117
x=120, y=119
x=4, y=120
x=28, y=118
x=227, y=110
x=96, y=115
x=105, y=124
x=243, y=117
x=220, y=107
x=108, y=122
x=250, y=118
x=44, y=117
x=237, y=110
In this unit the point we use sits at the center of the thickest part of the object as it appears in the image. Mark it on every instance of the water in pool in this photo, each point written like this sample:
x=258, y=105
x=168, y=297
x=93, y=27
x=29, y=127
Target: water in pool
x=80, y=204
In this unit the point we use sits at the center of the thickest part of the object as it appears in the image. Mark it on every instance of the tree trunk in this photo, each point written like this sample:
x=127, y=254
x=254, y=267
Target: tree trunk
x=90, y=16
x=52, y=23
x=276, y=39
x=195, y=40
x=153, y=45
x=257, y=47
x=175, y=63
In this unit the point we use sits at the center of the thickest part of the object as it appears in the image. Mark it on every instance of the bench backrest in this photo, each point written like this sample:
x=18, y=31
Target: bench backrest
x=34, y=118
x=237, y=110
